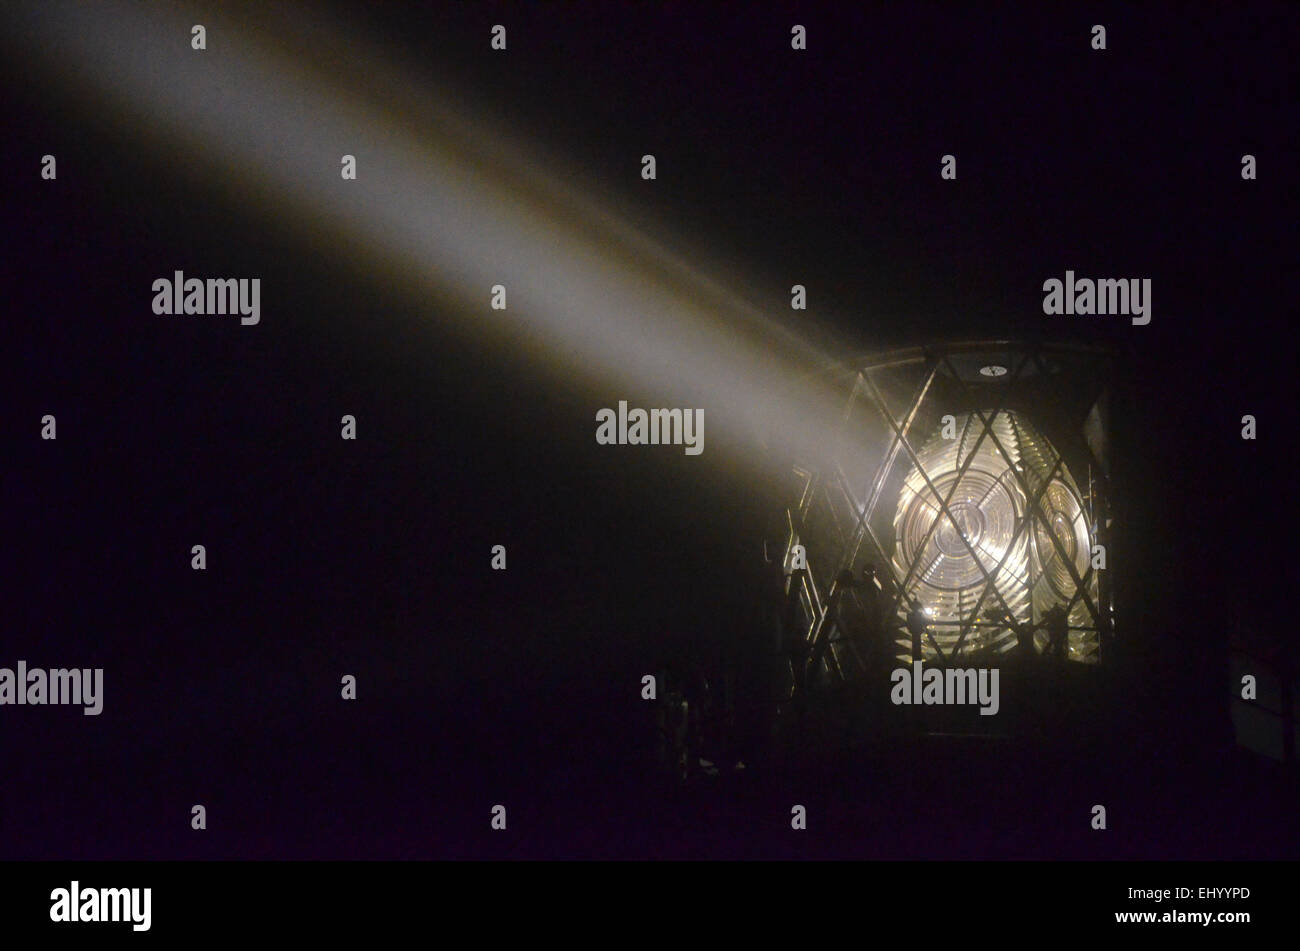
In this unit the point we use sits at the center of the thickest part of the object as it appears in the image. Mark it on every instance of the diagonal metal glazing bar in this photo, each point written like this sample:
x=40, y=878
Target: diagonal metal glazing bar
x=805, y=595
x=818, y=608
x=831, y=660
x=883, y=558
x=822, y=624
x=996, y=482
x=1022, y=527
x=943, y=502
x=852, y=649
x=887, y=464
x=1035, y=508
x=1038, y=513
x=934, y=524
x=842, y=481
x=818, y=638
x=829, y=483
x=956, y=482
x=806, y=586
x=900, y=442
x=822, y=621
x=816, y=605
x=846, y=489
x=848, y=406
x=807, y=499
x=851, y=552
x=992, y=557
x=865, y=532
x=914, y=408
x=943, y=361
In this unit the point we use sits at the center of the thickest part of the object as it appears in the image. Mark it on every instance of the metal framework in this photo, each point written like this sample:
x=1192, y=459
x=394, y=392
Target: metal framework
x=947, y=480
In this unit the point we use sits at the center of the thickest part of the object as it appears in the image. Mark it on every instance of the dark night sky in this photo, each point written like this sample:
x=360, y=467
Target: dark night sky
x=371, y=558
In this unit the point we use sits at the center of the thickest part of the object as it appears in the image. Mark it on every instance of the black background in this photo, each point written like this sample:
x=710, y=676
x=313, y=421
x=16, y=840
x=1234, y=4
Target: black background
x=521, y=687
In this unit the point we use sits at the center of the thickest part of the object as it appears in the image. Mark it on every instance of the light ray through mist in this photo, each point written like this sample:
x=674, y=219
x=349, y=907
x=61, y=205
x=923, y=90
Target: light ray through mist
x=615, y=307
